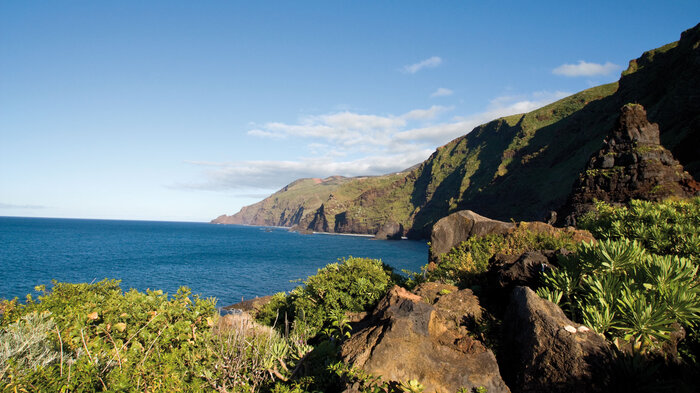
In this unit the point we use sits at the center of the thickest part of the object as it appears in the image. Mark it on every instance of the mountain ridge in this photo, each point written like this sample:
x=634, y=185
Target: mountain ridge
x=516, y=167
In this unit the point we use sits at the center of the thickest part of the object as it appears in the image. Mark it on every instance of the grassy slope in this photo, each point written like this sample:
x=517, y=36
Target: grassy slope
x=522, y=166
x=281, y=207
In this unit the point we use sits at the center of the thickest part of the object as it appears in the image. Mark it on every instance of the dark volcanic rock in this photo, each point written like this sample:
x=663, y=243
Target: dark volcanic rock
x=406, y=338
x=460, y=226
x=548, y=352
x=631, y=165
x=509, y=271
x=319, y=222
x=391, y=230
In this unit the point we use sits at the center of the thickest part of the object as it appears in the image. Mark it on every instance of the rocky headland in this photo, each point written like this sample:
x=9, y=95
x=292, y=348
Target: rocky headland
x=520, y=167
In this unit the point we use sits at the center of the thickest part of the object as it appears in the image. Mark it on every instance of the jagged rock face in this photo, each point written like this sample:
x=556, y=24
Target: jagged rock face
x=406, y=338
x=460, y=226
x=319, y=222
x=548, y=352
x=631, y=165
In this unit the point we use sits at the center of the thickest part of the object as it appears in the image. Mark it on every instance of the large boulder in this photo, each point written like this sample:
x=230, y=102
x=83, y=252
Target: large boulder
x=459, y=226
x=547, y=352
x=406, y=338
x=391, y=230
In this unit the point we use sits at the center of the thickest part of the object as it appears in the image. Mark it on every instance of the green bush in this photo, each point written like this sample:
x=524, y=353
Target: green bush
x=25, y=345
x=93, y=337
x=620, y=290
x=463, y=264
x=351, y=285
x=670, y=227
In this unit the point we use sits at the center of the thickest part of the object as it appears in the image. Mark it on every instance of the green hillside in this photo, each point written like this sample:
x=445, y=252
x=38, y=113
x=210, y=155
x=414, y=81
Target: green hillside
x=519, y=167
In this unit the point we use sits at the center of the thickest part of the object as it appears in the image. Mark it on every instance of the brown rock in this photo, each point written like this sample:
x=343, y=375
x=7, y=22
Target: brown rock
x=632, y=164
x=251, y=306
x=406, y=338
x=549, y=352
x=509, y=271
x=460, y=226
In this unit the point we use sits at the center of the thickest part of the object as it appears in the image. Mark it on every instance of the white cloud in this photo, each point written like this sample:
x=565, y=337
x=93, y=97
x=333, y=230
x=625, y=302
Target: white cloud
x=266, y=134
x=441, y=92
x=427, y=63
x=584, y=68
x=354, y=144
x=426, y=114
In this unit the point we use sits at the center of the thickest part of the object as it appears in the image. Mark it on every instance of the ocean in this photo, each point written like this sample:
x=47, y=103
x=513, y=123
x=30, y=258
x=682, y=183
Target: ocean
x=228, y=262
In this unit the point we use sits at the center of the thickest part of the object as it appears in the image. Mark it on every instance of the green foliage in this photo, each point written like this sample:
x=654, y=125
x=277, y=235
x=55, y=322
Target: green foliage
x=94, y=337
x=352, y=285
x=666, y=228
x=247, y=356
x=465, y=262
x=618, y=289
x=25, y=345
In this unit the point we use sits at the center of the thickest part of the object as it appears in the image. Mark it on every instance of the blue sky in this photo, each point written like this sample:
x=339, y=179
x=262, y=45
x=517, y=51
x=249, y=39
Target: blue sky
x=168, y=110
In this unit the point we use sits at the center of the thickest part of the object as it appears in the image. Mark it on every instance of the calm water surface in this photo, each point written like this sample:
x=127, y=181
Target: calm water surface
x=228, y=262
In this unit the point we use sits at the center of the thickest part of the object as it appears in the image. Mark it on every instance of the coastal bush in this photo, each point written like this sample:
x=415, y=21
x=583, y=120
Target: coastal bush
x=463, y=264
x=247, y=356
x=620, y=290
x=26, y=345
x=670, y=227
x=94, y=337
x=351, y=285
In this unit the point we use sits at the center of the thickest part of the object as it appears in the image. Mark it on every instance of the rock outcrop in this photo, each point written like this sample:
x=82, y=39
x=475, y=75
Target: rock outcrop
x=548, y=352
x=631, y=165
x=391, y=230
x=406, y=338
x=460, y=226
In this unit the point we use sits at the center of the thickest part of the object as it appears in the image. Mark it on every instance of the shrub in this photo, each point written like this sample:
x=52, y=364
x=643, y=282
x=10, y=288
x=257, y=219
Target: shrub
x=465, y=262
x=352, y=285
x=25, y=345
x=109, y=340
x=618, y=289
x=670, y=227
x=247, y=356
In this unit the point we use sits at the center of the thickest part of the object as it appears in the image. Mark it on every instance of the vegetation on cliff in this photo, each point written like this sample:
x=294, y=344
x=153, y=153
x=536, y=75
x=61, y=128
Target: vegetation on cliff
x=523, y=166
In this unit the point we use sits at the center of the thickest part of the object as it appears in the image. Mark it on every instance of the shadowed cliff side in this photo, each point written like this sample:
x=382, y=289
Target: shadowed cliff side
x=519, y=167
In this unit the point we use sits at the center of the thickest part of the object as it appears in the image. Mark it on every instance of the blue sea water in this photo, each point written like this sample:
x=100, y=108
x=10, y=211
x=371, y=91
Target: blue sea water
x=228, y=262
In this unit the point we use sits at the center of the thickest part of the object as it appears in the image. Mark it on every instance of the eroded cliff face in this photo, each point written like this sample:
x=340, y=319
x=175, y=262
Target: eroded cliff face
x=288, y=206
x=519, y=167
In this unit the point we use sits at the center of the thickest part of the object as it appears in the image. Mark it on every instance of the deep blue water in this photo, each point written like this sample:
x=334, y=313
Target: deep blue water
x=228, y=262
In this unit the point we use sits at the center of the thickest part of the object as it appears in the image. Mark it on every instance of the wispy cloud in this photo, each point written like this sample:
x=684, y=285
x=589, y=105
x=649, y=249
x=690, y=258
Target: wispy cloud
x=13, y=206
x=584, y=68
x=356, y=144
x=427, y=63
x=266, y=134
x=442, y=92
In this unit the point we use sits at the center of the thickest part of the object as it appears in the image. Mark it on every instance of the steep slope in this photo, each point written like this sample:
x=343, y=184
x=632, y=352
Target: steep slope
x=523, y=166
